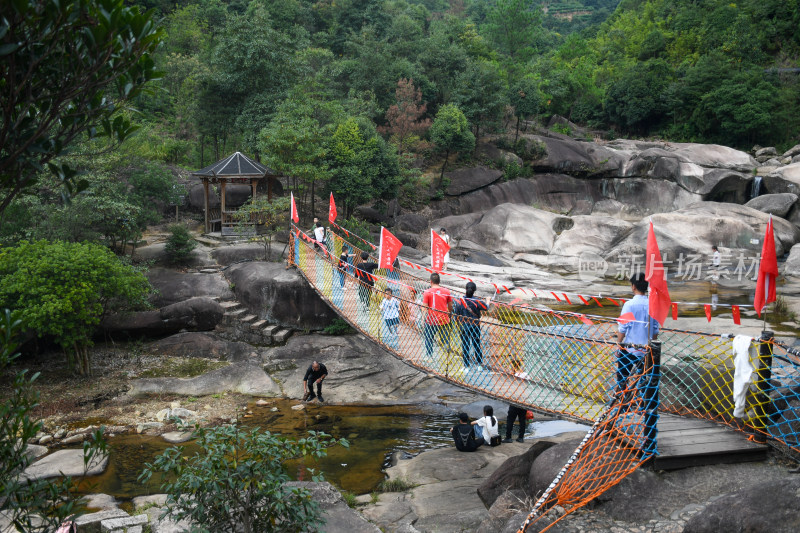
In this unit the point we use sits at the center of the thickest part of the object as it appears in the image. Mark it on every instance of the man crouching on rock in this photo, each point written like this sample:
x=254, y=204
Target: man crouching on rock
x=464, y=436
x=315, y=374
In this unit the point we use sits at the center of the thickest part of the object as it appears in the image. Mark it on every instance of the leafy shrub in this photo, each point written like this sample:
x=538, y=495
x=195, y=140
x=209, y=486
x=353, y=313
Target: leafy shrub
x=62, y=290
x=512, y=171
x=236, y=482
x=338, y=327
x=41, y=505
x=179, y=245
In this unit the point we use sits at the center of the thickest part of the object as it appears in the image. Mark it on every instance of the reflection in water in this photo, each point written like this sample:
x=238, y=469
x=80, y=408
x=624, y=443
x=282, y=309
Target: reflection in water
x=375, y=433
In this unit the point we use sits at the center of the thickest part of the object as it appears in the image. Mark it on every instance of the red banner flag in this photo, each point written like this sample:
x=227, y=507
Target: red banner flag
x=707, y=308
x=439, y=249
x=659, y=301
x=767, y=271
x=737, y=319
x=389, y=248
x=332, y=210
x=295, y=216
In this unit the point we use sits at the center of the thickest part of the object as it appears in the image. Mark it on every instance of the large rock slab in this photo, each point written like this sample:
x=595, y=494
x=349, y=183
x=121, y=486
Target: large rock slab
x=514, y=228
x=465, y=180
x=206, y=345
x=339, y=518
x=513, y=474
x=195, y=314
x=594, y=234
x=792, y=265
x=359, y=371
x=693, y=230
x=245, y=378
x=548, y=464
x=173, y=287
x=280, y=296
x=65, y=463
x=577, y=158
x=762, y=508
x=774, y=204
x=716, y=156
x=556, y=192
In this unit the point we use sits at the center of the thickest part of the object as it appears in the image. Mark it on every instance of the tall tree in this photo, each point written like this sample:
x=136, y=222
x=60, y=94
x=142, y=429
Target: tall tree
x=294, y=142
x=404, y=117
x=481, y=93
x=450, y=132
x=526, y=98
x=66, y=69
x=515, y=27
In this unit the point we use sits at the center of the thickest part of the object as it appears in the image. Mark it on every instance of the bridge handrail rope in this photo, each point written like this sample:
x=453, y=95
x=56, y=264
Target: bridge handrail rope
x=543, y=291
x=556, y=363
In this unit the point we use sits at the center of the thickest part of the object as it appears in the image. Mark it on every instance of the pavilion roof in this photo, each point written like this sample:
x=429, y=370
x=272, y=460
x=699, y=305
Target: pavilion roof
x=236, y=165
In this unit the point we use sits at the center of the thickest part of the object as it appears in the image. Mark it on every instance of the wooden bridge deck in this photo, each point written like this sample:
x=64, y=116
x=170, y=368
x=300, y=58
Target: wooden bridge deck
x=684, y=442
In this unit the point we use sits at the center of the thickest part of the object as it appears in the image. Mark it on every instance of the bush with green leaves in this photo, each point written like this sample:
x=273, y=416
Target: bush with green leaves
x=62, y=290
x=180, y=244
x=236, y=481
x=41, y=505
x=268, y=215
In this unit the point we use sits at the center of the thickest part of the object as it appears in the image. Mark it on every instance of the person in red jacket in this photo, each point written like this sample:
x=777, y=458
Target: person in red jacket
x=440, y=304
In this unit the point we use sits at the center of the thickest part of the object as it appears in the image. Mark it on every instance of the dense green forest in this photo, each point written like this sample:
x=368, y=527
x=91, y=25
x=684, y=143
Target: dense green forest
x=374, y=99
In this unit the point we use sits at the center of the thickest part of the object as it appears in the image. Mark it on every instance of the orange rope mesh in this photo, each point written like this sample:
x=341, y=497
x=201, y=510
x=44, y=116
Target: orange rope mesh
x=555, y=362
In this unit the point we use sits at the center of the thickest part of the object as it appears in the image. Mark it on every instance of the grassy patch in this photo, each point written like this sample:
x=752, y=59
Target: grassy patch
x=396, y=485
x=349, y=499
x=181, y=367
x=338, y=327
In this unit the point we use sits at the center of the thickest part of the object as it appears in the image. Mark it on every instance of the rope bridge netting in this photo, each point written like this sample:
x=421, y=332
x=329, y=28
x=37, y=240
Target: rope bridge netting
x=564, y=364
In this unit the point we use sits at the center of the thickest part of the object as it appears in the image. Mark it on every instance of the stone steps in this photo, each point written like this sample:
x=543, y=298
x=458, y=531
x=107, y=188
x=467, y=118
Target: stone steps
x=238, y=324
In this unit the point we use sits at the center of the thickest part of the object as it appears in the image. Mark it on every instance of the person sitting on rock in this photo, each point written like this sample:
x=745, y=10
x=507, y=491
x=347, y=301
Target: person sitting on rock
x=315, y=374
x=464, y=436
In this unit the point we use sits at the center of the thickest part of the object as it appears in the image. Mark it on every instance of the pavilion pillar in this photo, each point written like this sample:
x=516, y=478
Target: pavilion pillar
x=253, y=185
x=222, y=184
x=205, y=197
x=269, y=187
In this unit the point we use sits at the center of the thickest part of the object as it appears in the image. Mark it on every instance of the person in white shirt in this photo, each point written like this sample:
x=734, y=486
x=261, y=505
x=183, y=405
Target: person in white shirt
x=390, y=310
x=716, y=260
x=319, y=235
x=445, y=238
x=487, y=425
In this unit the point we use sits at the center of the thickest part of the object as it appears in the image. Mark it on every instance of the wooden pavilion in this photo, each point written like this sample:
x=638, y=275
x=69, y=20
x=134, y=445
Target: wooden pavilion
x=236, y=168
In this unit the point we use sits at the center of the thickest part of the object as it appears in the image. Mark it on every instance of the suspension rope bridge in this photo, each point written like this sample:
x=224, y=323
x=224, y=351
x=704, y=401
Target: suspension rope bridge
x=565, y=364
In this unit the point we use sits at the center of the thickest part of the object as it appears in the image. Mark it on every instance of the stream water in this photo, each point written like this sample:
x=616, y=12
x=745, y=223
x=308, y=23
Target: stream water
x=375, y=434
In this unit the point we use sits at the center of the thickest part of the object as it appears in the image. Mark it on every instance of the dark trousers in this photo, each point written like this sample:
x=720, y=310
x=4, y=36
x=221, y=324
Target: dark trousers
x=522, y=415
x=311, y=394
x=364, y=293
x=471, y=343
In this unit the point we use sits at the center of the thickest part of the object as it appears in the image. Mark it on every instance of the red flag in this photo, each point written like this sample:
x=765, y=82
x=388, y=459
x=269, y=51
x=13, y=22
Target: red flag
x=586, y=320
x=295, y=216
x=627, y=317
x=737, y=319
x=707, y=308
x=674, y=311
x=767, y=271
x=659, y=301
x=331, y=210
x=390, y=247
x=439, y=249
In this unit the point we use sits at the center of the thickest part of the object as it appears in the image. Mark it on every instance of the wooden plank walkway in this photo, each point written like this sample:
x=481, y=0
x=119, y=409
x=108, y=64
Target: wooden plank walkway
x=684, y=442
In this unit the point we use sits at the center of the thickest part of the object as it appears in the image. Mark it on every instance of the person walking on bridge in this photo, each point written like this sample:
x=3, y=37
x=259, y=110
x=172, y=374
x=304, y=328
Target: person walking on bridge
x=636, y=326
x=364, y=272
x=439, y=303
x=467, y=311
